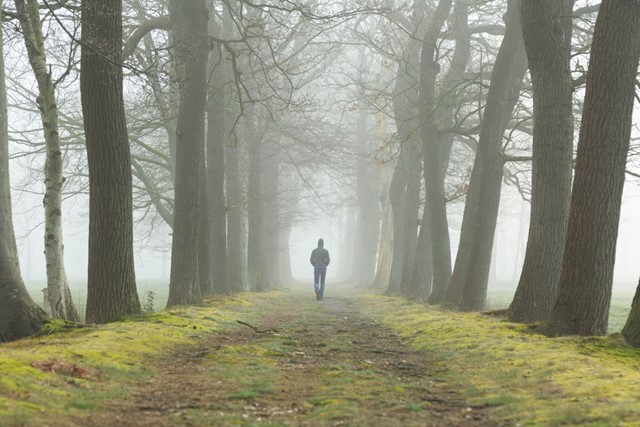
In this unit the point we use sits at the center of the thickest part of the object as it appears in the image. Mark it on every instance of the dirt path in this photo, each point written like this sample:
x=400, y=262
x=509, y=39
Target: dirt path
x=324, y=365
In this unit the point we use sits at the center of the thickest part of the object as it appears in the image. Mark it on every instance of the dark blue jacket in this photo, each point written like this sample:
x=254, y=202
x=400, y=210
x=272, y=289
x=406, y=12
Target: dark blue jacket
x=320, y=256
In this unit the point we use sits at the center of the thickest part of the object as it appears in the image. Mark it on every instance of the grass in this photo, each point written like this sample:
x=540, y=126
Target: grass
x=67, y=371
x=525, y=378
x=528, y=378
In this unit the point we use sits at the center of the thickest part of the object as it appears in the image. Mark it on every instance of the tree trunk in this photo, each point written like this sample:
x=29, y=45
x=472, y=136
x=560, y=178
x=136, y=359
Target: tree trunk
x=111, y=283
x=631, y=330
x=270, y=239
x=59, y=296
x=584, y=289
x=236, y=235
x=254, y=204
x=546, y=25
x=506, y=81
x=445, y=113
x=385, y=244
x=411, y=221
x=216, y=136
x=189, y=21
x=401, y=190
x=19, y=315
x=368, y=226
x=433, y=171
x=205, y=244
x=421, y=280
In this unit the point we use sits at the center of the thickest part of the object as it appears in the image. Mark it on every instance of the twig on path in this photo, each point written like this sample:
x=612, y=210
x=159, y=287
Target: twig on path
x=258, y=331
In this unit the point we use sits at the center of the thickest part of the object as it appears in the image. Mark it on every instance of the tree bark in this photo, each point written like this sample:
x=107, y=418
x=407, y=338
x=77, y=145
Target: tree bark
x=254, y=205
x=421, y=280
x=59, y=296
x=236, y=202
x=189, y=20
x=403, y=188
x=468, y=287
x=435, y=206
x=546, y=25
x=584, y=289
x=19, y=315
x=445, y=113
x=111, y=283
x=216, y=136
x=405, y=183
x=631, y=330
x=236, y=236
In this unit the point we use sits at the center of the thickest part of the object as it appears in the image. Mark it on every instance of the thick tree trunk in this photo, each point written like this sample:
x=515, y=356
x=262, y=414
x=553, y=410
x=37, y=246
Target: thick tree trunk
x=405, y=183
x=189, y=21
x=584, y=289
x=433, y=171
x=59, y=296
x=506, y=81
x=445, y=114
x=631, y=330
x=406, y=174
x=546, y=25
x=19, y=315
x=111, y=275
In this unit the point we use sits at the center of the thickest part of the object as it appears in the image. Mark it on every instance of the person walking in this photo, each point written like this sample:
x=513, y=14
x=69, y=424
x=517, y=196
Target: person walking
x=320, y=260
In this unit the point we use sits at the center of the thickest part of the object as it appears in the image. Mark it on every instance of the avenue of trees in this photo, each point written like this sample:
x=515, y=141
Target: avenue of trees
x=220, y=122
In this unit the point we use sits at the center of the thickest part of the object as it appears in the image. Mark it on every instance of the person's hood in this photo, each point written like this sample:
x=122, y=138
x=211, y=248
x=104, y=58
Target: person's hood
x=320, y=243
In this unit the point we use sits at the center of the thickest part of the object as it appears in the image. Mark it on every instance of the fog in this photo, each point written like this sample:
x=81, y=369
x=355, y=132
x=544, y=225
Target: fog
x=154, y=265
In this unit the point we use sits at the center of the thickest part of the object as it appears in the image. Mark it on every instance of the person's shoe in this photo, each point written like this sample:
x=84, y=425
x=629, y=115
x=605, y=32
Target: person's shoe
x=318, y=297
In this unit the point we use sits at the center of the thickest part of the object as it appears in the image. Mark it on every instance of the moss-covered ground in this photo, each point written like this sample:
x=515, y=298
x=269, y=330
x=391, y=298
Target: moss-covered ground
x=527, y=378
x=348, y=360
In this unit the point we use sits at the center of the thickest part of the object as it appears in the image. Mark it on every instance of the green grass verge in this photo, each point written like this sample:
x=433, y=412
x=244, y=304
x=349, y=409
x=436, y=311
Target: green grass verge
x=529, y=379
x=67, y=371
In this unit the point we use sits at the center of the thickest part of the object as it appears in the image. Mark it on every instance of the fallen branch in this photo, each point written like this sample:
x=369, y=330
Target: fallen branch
x=258, y=331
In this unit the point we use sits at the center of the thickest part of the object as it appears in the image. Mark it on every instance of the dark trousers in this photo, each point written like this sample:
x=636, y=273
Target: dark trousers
x=319, y=275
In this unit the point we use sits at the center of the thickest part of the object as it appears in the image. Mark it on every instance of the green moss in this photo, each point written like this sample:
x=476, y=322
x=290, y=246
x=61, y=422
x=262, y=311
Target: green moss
x=529, y=378
x=115, y=357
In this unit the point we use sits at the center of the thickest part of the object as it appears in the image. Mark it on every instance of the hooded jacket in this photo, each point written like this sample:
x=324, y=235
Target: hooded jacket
x=320, y=256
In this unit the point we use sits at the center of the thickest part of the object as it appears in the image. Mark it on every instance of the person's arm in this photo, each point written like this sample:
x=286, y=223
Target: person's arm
x=328, y=259
x=311, y=259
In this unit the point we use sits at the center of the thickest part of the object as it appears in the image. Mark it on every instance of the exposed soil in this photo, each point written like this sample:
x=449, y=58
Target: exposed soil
x=311, y=364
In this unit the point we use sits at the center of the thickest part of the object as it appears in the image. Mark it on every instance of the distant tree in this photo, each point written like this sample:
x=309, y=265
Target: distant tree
x=547, y=27
x=58, y=294
x=189, y=22
x=584, y=289
x=111, y=276
x=19, y=315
